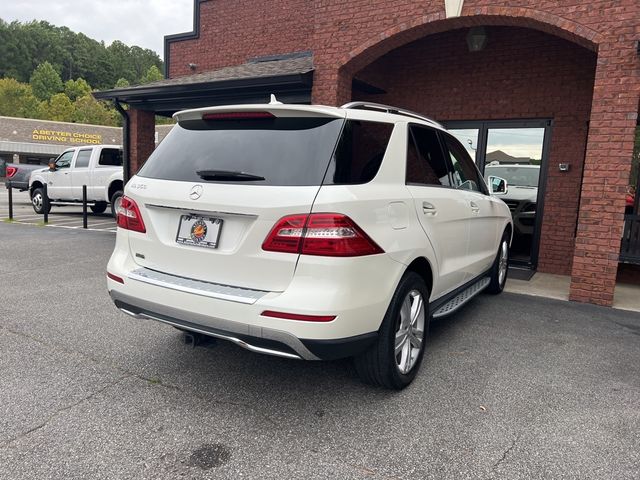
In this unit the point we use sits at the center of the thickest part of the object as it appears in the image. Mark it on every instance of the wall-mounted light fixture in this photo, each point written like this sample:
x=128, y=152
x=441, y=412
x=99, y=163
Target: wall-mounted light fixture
x=477, y=39
x=193, y=66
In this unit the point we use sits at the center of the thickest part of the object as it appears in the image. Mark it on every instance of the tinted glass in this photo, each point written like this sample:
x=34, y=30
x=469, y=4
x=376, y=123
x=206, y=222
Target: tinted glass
x=82, y=160
x=110, y=157
x=64, y=160
x=426, y=163
x=285, y=151
x=359, y=153
x=464, y=173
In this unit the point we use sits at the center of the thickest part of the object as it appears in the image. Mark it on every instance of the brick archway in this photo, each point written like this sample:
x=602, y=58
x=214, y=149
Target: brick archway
x=333, y=85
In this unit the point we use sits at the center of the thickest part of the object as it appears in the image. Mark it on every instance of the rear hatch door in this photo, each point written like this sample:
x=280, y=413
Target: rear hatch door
x=215, y=187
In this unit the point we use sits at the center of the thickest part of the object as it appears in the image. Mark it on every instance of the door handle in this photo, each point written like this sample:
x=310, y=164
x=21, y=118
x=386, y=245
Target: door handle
x=429, y=209
x=474, y=207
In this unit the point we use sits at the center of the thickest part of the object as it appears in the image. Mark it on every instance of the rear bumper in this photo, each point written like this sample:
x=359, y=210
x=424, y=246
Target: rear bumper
x=264, y=340
x=357, y=292
x=18, y=185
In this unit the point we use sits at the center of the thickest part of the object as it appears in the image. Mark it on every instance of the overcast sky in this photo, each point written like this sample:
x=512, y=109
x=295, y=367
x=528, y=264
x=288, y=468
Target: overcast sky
x=134, y=22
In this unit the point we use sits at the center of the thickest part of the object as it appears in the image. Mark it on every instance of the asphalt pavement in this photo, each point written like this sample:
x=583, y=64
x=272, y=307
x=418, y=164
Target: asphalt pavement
x=512, y=387
x=61, y=216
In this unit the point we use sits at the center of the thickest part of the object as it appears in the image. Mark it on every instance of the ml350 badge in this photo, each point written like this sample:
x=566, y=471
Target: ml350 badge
x=199, y=231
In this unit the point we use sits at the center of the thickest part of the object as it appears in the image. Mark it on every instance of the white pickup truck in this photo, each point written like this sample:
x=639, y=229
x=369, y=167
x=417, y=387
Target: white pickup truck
x=99, y=167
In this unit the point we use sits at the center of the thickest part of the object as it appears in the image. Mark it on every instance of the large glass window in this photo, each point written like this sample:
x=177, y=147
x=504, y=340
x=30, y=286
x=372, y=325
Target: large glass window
x=82, y=160
x=426, y=163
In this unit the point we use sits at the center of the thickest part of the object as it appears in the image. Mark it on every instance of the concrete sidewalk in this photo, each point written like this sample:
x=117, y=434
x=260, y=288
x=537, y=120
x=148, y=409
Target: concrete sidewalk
x=627, y=297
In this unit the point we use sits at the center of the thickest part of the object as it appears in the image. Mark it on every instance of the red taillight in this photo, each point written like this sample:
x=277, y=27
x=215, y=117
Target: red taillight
x=296, y=316
x=11, y=171
x=115, y=278
x=325, y=234
x=128, y=216
x=237, y=116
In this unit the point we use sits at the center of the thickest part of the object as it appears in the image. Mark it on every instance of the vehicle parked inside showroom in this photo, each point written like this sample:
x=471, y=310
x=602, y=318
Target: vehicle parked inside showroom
x=310, y=232
x=17, y=175
x=99, y=167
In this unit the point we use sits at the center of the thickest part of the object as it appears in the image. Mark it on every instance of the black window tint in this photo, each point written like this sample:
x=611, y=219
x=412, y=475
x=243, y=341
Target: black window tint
x=82, y=160
x=464, y=173
x=64, y=160
x=359, y=153
x=110, y=157
x=426, y=163
x=285, y=151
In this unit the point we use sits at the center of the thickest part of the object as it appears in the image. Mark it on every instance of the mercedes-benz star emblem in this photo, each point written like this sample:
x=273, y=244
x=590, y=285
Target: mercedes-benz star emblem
x=196, y=192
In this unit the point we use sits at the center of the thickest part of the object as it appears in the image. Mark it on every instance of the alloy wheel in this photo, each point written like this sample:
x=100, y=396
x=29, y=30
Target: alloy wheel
x=410, y=332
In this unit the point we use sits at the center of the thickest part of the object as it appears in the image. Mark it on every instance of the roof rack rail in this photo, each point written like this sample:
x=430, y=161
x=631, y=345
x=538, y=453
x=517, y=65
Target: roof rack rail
x=389, y=109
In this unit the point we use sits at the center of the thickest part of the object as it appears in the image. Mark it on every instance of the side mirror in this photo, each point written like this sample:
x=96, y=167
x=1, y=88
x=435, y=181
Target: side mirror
x=497, y=185
x=52, y=166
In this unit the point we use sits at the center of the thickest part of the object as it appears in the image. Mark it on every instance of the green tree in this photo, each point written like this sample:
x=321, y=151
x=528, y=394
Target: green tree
x=75, y=89
x=45, y=81
x=89, y=110
x=60, y=108
x=152, y=75
x=17, y=100
x=122, y=83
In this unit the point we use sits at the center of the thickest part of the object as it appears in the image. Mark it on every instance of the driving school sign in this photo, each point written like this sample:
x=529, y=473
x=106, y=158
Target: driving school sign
x=73, y=138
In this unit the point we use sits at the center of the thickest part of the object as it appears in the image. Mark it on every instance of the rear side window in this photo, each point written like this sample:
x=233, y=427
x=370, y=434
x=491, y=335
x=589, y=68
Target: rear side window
x=426, y=164
x=359, y=153
x=284, y=151
x=110, y=157
x=82, y=160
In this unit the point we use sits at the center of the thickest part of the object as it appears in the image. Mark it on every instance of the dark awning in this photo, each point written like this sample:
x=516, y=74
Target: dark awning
x=289, y=77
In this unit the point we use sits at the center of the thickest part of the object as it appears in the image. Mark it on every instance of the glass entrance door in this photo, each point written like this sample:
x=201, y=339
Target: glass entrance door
x=515, y=151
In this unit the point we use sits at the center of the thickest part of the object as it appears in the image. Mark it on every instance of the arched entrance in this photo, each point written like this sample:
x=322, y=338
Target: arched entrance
x=536, y=65
x=523, y=99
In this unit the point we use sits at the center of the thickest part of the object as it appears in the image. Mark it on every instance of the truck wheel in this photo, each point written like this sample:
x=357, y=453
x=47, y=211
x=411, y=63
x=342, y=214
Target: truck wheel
x=99, y=207
x=393, y=361
x=500, y=267
x=37, y=201
x=115, y=202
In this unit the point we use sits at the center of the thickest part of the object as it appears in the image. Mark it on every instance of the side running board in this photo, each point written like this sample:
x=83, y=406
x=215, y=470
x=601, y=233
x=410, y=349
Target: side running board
x=463, y=297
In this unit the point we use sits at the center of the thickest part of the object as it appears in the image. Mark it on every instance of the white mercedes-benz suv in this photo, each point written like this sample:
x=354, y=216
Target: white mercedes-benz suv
x=310, y=232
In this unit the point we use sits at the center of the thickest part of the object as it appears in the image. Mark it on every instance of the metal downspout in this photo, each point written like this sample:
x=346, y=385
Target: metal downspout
x=126, y=157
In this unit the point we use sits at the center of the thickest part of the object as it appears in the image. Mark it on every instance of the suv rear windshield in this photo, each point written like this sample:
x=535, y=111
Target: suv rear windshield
x=285, y=151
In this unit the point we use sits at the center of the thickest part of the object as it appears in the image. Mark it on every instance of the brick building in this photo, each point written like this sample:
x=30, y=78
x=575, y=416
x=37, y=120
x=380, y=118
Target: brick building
x=555, y=82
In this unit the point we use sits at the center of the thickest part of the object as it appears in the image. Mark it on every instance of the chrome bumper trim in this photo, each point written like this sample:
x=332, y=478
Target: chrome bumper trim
x=225, y=328
x=197, y=287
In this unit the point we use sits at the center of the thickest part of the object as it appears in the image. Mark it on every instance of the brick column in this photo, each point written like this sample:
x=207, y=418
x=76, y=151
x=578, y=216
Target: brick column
x=330, y=86
x=614, y=113
x=142, y=134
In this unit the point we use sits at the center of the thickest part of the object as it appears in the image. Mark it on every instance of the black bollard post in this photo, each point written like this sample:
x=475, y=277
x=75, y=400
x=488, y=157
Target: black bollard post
x=45, y=203
x=84, y=206
x=10, y=189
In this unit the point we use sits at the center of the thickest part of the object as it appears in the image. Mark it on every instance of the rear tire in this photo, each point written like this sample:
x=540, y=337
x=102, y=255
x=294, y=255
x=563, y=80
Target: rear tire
x=37, y=201
x=394, y=360
x=500, y=268
x=115, y=201
x=99, y=207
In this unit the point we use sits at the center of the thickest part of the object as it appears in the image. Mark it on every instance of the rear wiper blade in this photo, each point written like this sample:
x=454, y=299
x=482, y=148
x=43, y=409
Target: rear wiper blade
x=224, y=175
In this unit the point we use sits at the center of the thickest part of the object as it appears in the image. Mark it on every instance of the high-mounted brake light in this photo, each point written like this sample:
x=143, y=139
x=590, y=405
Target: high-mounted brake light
x=237, y=116
x=11, y=171
x=128, y=216
x=324, y=234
